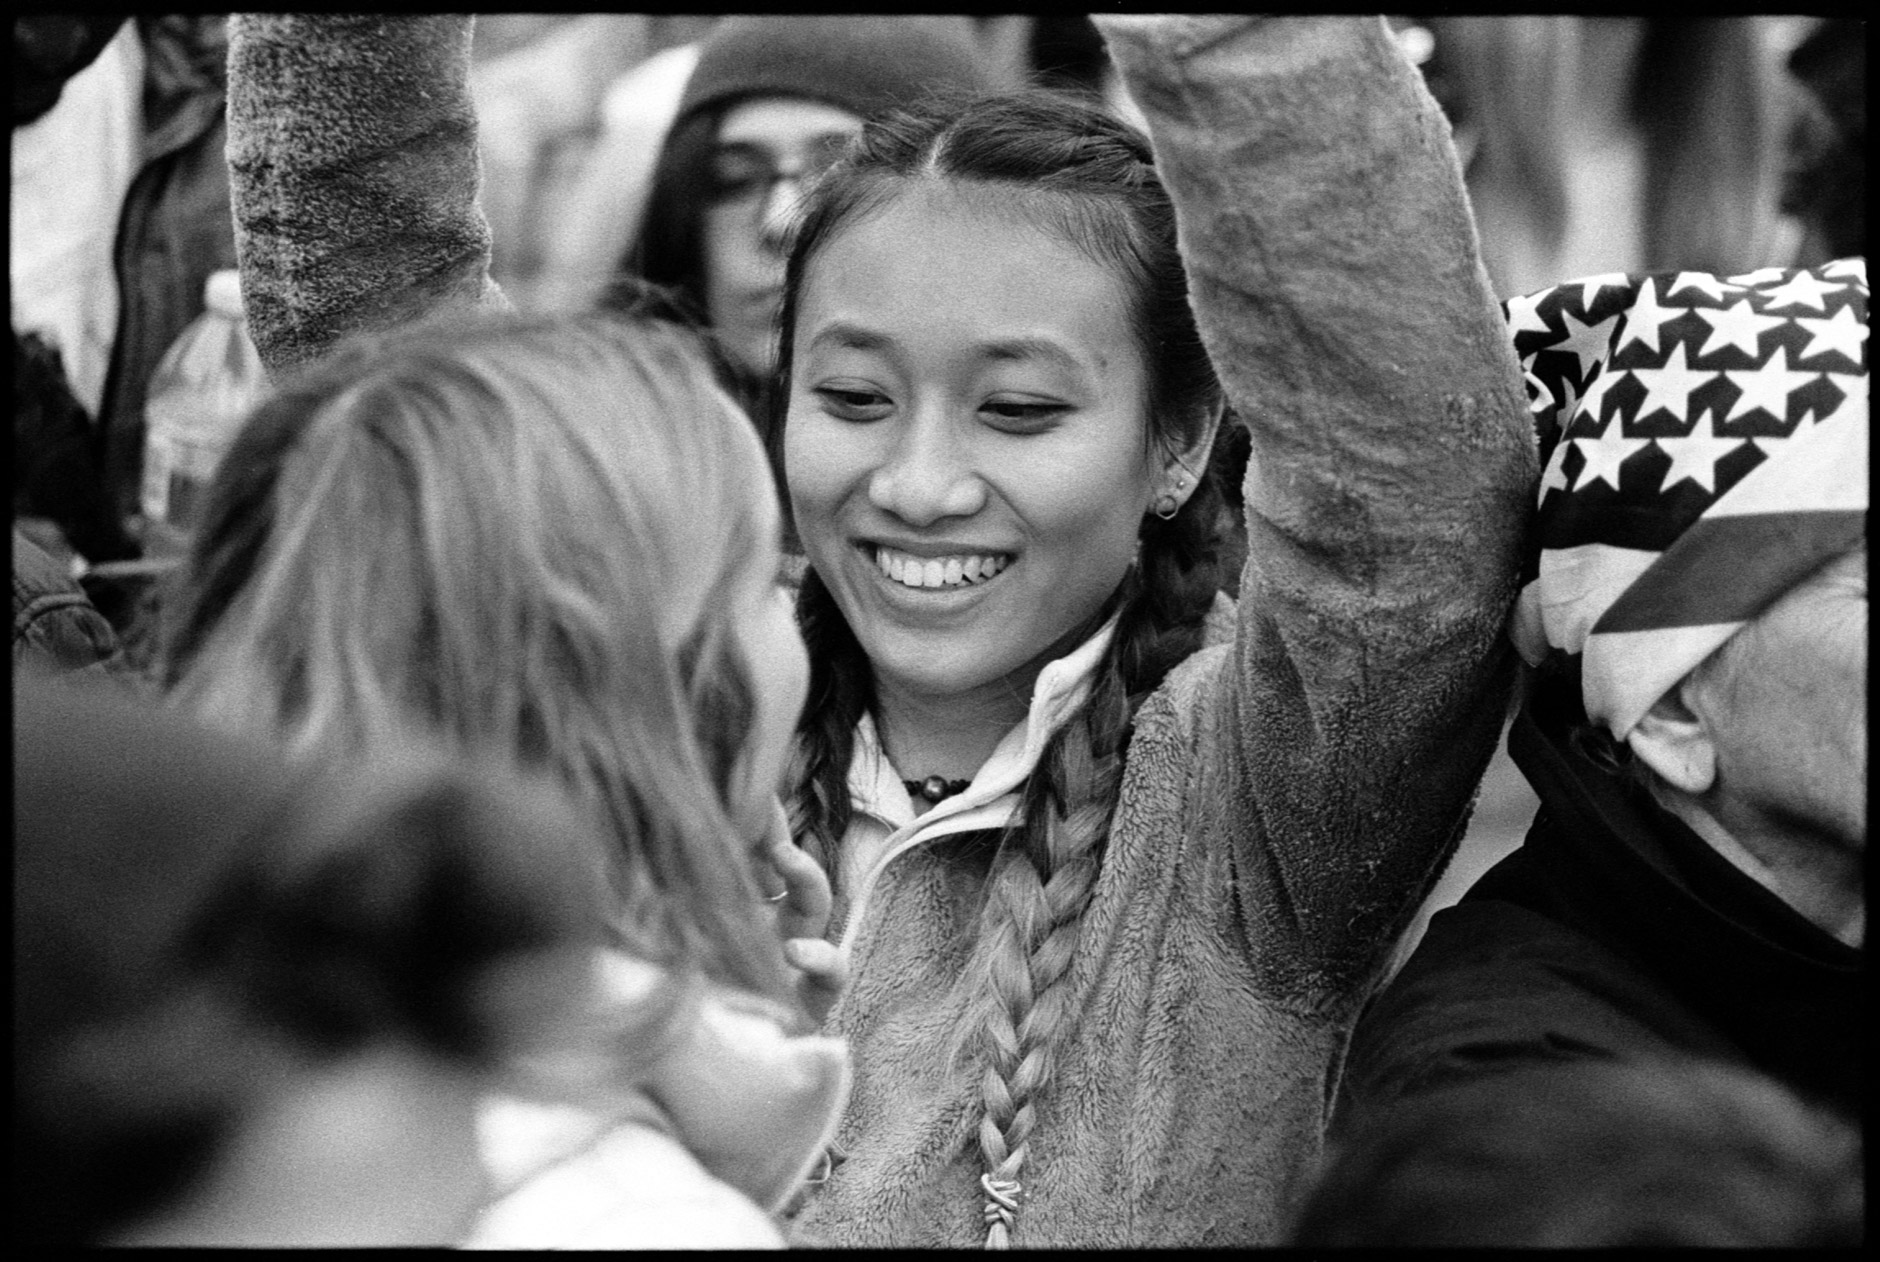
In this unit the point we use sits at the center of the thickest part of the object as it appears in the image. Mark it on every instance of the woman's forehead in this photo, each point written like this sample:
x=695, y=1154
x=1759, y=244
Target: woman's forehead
x=938, y=260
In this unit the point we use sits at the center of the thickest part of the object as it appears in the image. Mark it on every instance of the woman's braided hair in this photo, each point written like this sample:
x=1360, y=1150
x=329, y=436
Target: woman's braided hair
x=1087, y=178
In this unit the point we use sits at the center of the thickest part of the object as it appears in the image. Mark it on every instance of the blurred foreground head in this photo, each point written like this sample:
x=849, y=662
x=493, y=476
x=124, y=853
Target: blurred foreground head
x=1594, y=1155
x=547, y=541
x=254, y=1003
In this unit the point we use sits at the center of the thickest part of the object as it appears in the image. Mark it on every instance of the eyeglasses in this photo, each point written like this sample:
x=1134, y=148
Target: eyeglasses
x=743, y=176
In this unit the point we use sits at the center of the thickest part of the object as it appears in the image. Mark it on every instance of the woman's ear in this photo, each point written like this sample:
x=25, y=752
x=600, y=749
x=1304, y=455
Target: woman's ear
x=1675, y=742
x=1183, y=466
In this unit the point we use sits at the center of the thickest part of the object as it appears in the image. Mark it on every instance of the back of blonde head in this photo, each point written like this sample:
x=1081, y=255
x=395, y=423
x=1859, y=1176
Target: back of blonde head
x=531, y=537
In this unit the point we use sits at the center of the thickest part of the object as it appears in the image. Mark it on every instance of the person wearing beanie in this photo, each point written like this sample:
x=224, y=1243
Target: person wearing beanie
x=771, y=101
x=1695, y=725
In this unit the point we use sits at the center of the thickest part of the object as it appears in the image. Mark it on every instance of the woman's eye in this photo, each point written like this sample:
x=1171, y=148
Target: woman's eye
x=1022, y=415
x=851, y=404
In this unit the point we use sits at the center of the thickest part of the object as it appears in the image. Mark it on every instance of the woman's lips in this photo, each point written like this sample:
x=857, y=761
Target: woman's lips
x=960, y=569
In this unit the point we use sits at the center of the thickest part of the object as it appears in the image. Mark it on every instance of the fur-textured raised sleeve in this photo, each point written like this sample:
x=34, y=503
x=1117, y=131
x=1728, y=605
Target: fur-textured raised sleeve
x=1334, y=269
x=353, y=176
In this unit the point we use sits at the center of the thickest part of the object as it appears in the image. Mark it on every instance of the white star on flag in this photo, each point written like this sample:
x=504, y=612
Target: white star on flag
x=1594, y=399
x=1702, y=282
x=1586, y=341
x=1767, y=387
x=1604, y=455
x=1695, y=456
x=1524, y=314
x=1669, y=388
x=1643, y=319
x=1591, y=285
x=1737, y=326
x=1761, y=276
x=1848, y=269
x=1555, y=476
x=1841, y=332
x=1801, y=290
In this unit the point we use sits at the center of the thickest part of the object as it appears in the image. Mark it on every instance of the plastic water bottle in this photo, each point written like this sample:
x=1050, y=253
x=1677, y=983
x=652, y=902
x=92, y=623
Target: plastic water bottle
x=203, y=389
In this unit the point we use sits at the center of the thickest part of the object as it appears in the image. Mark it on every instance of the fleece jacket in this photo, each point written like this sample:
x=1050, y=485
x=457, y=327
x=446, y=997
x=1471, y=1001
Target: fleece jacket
x=1289, y=796
x=353, y=176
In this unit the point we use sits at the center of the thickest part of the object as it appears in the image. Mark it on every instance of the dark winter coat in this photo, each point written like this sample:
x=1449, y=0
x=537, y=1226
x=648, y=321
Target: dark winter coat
x=1613, y=932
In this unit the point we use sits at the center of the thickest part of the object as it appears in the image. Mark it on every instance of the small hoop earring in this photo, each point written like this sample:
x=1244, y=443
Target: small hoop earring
x=1166, y=507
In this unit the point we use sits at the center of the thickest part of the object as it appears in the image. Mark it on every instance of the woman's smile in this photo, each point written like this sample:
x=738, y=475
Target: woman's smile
x=967, y=445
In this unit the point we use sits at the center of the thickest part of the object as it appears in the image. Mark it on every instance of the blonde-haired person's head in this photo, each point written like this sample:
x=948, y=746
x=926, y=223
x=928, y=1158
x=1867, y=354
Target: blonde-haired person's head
x=547, y=538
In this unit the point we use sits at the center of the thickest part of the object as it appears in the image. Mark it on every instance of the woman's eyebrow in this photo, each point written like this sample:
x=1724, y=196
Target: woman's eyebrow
x=845, y=336
x=1023, y=348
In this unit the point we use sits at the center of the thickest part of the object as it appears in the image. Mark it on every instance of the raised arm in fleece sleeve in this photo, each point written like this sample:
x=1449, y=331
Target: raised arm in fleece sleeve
x=353, y=176
x=1333, y=268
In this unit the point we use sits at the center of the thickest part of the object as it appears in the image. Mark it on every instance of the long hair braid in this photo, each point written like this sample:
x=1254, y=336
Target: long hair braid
x=1046, y=870
x=1088, y=178
x=1030, y=929
x=841, y=690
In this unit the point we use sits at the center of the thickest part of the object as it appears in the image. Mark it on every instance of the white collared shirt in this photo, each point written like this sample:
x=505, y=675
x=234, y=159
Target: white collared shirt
x=885, y=827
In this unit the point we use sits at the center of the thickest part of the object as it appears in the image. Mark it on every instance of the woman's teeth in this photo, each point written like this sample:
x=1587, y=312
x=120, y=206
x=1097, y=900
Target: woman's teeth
x=956, y=571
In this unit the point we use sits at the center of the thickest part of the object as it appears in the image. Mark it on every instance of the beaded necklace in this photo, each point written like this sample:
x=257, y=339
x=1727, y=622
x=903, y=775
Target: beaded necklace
x=935, y=788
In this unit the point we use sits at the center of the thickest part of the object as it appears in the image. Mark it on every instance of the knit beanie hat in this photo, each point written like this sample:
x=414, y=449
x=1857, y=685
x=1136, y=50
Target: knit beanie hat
x=1704, y=446
x=864, y=64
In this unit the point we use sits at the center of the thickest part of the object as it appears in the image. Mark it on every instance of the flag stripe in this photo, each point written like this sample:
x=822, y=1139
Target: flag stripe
x=1825, y=468
x=1730, y=568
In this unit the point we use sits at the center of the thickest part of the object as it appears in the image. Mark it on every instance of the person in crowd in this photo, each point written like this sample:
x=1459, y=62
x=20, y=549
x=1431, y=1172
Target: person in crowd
x=255, y=1003
x=1110, y=899
x=1614, y=144
x=1595, y=1155
x=1692, y=887
x=1825, y=185
x=770, y=102
x=492, y=532
x=120, y=211
x=538, y=80
x=55, y=470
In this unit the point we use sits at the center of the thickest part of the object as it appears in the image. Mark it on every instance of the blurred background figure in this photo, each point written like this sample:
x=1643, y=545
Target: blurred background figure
x=120, y=211
x=540, y=82
x=1825, y=184
x=256, y=1005
x=769, y=103
x=1618, y=144
x=1595, y=1155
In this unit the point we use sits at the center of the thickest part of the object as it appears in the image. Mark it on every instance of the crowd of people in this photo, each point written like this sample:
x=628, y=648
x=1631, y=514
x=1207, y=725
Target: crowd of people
x=898, y=654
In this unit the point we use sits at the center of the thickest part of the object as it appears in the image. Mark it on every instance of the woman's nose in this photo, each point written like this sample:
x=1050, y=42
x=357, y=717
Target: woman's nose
x=781, y=202
x=927, y=477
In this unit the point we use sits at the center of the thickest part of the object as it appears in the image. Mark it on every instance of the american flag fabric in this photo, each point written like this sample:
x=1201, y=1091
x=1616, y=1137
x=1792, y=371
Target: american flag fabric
x=1703, y=443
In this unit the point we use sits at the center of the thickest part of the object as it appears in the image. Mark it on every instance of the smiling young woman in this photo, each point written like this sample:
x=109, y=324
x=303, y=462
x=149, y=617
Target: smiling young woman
x=1100, y=978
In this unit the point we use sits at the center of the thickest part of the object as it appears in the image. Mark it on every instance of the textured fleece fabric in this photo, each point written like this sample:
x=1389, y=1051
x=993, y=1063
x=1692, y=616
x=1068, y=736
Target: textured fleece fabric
x=1289, y=797
x=720, y=1129
x=353, y=175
